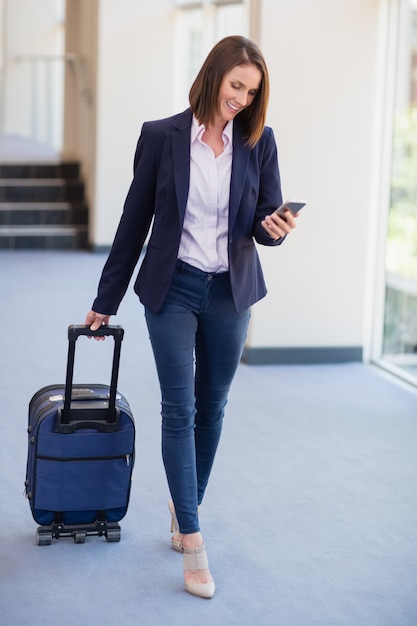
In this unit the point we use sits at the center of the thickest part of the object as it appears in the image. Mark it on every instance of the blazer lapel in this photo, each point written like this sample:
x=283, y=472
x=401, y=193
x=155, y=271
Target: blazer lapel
x=239, y=169
x=181, y=156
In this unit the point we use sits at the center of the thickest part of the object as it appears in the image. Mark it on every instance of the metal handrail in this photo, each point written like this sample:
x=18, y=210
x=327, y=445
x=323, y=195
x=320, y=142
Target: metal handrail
x=78, y=64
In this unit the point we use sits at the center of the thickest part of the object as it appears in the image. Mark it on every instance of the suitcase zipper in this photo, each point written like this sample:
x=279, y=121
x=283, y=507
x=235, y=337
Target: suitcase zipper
x=127, y=457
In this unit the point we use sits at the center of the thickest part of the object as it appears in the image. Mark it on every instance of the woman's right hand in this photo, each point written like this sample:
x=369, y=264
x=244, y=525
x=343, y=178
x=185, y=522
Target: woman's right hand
x=94, y=320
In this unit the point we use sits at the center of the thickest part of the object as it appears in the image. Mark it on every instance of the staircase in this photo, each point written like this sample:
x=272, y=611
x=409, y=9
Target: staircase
x=42, y=206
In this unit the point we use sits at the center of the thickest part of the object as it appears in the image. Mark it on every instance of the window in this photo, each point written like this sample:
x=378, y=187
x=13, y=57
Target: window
x=399, y=344
x=199, y=25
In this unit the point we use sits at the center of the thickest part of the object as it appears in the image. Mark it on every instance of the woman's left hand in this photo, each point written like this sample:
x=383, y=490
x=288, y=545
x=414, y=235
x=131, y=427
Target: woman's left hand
x=279, y=225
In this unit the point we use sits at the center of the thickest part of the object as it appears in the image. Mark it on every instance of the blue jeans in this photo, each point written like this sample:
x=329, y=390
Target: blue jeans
x=197, y=321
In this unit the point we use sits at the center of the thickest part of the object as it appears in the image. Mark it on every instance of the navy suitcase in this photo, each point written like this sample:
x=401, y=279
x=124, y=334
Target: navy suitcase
x=80, y=453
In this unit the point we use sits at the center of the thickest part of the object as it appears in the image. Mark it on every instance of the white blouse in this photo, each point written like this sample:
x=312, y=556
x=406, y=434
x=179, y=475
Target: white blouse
x=205, y=229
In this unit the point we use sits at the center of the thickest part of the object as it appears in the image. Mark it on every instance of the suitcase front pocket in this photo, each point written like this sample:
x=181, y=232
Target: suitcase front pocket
x=82, y=484
x=84, y=470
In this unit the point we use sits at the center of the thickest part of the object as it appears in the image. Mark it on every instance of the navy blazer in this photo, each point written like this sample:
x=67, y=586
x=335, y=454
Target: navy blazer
x=159, y=191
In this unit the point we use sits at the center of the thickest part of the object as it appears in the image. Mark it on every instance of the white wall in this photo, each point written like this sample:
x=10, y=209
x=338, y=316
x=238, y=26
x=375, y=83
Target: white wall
x=322, y=58
x=134, y=84
x=323, y=62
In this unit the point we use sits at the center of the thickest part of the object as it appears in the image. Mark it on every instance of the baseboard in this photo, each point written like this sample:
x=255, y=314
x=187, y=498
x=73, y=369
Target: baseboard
x=100, y=249
x=301, y=356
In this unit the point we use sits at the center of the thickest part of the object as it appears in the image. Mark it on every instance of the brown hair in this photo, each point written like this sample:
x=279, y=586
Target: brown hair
x=204, y=92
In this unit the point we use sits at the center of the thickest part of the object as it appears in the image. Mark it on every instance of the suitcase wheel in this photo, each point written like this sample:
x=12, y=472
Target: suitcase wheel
x=113, y=534
x=43, y=538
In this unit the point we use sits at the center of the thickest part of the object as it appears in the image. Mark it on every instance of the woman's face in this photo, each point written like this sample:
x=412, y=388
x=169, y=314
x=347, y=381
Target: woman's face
x=237, y=91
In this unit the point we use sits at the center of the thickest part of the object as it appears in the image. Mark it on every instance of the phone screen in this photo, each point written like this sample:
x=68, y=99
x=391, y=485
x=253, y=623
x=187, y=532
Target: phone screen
x=291, y=205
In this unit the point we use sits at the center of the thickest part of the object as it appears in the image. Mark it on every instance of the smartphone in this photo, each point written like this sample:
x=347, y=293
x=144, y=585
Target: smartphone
x=291, y=205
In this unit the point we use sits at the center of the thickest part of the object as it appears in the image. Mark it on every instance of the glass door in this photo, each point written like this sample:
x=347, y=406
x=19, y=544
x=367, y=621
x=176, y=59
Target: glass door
x=399, y=345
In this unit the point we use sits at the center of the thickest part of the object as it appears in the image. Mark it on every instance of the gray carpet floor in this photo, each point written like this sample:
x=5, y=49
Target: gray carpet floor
x=310, y=517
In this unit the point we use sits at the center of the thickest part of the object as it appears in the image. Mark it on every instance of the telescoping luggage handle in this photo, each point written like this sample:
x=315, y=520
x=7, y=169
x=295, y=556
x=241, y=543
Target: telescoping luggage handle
x=103, y=421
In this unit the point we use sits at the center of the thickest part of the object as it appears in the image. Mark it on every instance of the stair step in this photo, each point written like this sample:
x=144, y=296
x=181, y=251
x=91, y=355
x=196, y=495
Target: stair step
x=45, y=190
x=37, y=230
x=66, y=169
x=43, y=237
x=42, y=206
x=52, y=213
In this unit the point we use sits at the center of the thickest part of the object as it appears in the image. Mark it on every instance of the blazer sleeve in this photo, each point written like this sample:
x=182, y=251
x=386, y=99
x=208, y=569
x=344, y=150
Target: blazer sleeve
x=132, y=230
x=270, y=195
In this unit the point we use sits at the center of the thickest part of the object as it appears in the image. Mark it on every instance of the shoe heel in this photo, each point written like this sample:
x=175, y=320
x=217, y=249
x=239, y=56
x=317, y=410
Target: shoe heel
x=174, y=521
x=176, y=544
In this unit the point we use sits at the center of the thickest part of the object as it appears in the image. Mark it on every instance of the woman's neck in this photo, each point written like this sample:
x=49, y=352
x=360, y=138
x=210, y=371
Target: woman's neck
x=213, y=137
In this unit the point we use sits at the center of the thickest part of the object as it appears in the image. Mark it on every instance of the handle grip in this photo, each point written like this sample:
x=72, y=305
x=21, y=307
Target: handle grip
x=78, y=330
x=75, y=331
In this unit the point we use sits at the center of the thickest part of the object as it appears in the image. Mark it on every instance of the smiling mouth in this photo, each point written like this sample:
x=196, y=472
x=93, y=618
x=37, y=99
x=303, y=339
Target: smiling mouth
x=232, y=107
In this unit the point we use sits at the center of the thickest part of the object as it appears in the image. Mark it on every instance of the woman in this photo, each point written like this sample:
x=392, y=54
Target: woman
x=209, y=179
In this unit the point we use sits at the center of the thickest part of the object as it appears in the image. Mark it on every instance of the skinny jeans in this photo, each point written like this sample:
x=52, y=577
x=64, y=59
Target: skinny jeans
x=197, y=340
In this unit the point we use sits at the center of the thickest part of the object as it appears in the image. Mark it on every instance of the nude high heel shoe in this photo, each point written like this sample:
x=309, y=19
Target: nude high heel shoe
x=196, y=559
